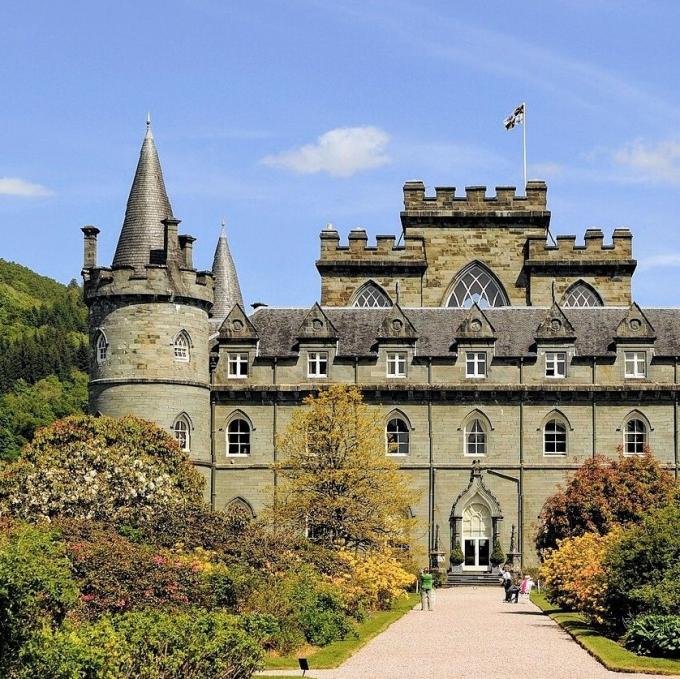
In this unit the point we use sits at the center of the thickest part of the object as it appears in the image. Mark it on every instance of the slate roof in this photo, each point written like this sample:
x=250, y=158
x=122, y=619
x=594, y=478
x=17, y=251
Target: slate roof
x=515, y=327
x=147, y=205
x=227, y=288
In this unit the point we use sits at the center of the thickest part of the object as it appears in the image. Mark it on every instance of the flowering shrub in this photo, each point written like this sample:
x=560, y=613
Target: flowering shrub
x=574, y=574
x=149, y=645
x=371, y=581
x=120, y=471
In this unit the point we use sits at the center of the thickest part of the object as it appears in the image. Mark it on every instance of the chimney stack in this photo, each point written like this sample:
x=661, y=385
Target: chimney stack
x=90, y=246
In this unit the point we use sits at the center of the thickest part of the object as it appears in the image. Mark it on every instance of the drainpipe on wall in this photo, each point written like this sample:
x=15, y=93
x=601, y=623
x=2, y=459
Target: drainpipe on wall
x=430, y=508
x=274, y=426
x=675, y=420
x=594, y=418
x=213, y=457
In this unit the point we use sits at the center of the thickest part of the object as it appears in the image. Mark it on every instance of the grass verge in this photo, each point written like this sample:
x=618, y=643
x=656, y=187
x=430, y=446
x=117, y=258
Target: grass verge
x=612, y=655
x=336, y=653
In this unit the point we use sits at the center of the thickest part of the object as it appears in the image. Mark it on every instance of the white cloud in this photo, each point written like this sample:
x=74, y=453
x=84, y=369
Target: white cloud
x=13, y=186
x=656, y=162
x=657, y=261
x=341, y=152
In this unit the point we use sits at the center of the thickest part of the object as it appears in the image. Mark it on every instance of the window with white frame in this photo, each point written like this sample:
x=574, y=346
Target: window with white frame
x=317, y=364
x=397, y=437
x=555, y=364
x=181, y=430
x=101, y=347
x=396, y=364
x=475, y=364
x=554, y=438
x=238, y=437
x=635, y=364
x=635, y=437
x=182, y=346
x=238, y=365
x=475, y=438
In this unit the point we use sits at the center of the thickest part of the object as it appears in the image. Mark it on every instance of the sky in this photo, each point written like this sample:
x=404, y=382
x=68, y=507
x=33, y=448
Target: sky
x=280, y=116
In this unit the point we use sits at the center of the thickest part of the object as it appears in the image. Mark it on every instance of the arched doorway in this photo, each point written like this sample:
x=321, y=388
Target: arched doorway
x=477, y=535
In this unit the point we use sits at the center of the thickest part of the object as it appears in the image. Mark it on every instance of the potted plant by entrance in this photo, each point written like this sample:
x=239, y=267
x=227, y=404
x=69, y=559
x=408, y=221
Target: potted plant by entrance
x=497, y=556
x=456, y=558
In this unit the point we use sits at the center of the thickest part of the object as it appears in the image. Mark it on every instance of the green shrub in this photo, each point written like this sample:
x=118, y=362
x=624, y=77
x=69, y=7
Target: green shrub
x=149, y=645
x=36, y=587
x=656, y=635
x=263, y=627
x=497, y=555
x=642, y=568
x=456, y=555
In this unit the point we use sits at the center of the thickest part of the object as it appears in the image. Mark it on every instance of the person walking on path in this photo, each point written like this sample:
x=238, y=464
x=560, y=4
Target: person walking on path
x=426, y=589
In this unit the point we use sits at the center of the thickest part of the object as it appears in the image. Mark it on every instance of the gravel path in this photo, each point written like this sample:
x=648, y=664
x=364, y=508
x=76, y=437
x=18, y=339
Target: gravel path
x=472, y=634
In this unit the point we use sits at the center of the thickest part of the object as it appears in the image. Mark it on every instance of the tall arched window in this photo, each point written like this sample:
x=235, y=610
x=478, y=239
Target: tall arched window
x=581, y=295
x=477, y=284
x=101, y=347
x=238, y=437
x=635, y=437
x=371, y=295
x=182, y=347
x=554, y=438
x=182, y=432
x=475, y=438
x=397, y=436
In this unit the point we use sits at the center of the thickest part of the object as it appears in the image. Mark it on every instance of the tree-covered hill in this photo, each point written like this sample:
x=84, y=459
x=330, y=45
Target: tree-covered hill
x=43, y=353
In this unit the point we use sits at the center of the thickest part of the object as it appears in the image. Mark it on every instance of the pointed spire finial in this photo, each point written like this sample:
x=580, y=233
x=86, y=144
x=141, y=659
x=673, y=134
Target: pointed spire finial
x=223, y=230
x=149, y=133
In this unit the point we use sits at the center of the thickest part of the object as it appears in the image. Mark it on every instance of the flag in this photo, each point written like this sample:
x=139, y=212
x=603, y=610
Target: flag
x=515, y=118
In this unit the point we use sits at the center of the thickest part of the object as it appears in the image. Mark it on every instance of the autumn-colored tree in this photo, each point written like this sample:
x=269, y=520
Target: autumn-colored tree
x=339, y=486
x=604, y=493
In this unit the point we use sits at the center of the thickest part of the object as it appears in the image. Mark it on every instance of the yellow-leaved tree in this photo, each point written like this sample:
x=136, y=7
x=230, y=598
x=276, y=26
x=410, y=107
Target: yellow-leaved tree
x=337, y=483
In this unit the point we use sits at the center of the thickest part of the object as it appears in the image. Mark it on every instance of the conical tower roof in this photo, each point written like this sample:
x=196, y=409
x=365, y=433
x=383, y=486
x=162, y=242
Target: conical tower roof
x=227, y=288
x=147, y=206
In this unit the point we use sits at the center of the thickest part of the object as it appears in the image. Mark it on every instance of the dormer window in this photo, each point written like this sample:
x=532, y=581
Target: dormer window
x=396, y=364
x=475, y=364
x=555, y=364
x=182, y=347
x=101, y=347
x=238, y=365
x=317, y=364
x=635, y=364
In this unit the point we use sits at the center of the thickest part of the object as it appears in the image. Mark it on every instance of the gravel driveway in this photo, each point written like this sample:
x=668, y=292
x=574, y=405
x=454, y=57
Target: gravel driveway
x=472, y=634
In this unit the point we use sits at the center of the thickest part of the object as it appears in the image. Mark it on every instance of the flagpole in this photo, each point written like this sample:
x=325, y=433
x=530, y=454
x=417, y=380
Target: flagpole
x=524, y=145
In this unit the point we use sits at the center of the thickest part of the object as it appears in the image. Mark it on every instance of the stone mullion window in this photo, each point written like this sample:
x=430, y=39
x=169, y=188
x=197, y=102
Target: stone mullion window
x=635, y=363
x=396, y=364
x=475, y=364
x=238, y=365
x=317, y=364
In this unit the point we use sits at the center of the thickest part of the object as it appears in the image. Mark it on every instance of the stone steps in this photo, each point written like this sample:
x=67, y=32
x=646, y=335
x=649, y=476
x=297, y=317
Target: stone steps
x=472, y=580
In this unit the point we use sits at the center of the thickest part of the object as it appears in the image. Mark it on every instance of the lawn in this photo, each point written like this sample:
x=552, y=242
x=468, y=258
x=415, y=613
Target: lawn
x=612, y=655
x=336, y=653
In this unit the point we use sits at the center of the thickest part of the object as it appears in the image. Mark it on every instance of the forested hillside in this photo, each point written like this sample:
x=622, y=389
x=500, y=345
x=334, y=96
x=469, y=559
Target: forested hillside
x=43, y=353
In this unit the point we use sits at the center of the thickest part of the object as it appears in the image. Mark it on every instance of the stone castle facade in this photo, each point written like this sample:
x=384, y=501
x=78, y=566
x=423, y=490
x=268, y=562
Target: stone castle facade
x=500, y=361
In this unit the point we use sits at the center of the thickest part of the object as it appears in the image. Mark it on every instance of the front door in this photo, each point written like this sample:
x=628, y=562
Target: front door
x=476, y=537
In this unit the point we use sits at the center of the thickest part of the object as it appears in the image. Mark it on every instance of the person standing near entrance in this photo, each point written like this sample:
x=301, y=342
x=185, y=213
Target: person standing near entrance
x=426, y=589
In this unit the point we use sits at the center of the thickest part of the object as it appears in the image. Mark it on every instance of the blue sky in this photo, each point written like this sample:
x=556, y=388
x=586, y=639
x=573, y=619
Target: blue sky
x=280, y=116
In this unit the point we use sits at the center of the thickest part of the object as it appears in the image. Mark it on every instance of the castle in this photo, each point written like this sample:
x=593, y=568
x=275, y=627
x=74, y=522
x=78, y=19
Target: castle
x=499, y=360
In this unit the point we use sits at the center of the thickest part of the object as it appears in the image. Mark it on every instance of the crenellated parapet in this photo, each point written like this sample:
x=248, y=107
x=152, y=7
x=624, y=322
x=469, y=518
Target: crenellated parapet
x=357, y=253
x=445, y=208
x=159, y=282
x=594, y=251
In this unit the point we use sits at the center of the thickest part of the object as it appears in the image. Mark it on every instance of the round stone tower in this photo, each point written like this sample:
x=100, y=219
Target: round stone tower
x=148, y=318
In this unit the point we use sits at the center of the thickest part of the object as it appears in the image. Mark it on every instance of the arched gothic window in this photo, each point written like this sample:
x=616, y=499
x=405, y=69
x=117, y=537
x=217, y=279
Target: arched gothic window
x=397, y=436
x=371, y=295
x=581, y=295
x=182, y=432
x=475, y=438
x=635, y=437
x=182, y=347
x=101, y=347
x=238, y=437
x=477, y=284
x=554, y=438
